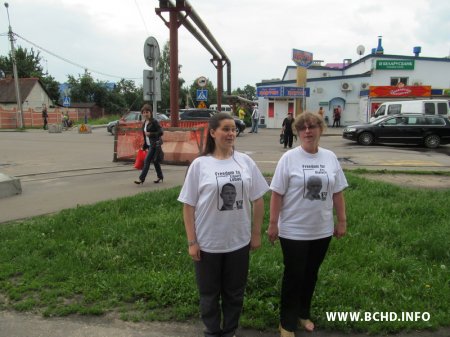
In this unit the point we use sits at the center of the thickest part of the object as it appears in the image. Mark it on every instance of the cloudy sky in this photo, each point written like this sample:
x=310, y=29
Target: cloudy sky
x=107, y=36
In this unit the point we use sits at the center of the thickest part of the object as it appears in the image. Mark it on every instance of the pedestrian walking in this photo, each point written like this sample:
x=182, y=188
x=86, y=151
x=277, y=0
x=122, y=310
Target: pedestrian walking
x=255, y=119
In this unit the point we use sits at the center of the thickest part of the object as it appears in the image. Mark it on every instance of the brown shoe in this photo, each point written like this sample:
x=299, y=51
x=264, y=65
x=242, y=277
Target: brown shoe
x=306, y=324
x=285, y=333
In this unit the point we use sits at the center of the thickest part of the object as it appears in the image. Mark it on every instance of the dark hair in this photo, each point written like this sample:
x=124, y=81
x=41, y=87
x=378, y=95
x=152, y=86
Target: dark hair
x=147, y=107
x=309, y=118
x=214, y=123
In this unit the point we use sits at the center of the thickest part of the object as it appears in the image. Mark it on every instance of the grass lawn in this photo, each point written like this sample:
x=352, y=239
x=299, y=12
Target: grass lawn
x=130, y=256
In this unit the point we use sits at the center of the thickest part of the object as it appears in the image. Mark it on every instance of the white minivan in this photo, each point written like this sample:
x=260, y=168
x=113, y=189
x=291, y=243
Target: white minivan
x=224, y=108
x=423, y=106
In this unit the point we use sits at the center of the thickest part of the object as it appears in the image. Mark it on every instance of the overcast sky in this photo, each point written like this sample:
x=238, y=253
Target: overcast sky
x=107, y=36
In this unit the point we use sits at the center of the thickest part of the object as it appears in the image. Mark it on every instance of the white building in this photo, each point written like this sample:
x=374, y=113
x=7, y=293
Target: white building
x=358, y=87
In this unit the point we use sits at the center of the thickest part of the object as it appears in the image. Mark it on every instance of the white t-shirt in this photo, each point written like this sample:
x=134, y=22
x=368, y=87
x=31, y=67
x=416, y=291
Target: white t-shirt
x=221, y=192
x=307, y=182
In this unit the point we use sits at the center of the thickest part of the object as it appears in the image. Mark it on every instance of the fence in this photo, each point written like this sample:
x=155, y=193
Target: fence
x=32, y=118
x=181, y=145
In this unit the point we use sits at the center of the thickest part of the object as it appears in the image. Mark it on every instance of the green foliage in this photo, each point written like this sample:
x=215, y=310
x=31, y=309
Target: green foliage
x=129, y=255
x=29, y=65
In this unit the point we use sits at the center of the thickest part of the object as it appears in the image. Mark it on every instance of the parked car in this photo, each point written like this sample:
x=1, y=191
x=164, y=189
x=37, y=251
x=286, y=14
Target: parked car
x=428, y=130
x=130, y=118
x=205, y=114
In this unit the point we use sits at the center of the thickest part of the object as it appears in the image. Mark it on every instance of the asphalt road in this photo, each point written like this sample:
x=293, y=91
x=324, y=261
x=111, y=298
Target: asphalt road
x=63, y=170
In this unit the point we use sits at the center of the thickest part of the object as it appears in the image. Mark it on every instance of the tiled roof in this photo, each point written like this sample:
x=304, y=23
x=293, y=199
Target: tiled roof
x=8, y=91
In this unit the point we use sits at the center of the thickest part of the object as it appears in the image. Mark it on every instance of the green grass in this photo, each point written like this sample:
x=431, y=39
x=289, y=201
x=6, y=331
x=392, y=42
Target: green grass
x=130, y=256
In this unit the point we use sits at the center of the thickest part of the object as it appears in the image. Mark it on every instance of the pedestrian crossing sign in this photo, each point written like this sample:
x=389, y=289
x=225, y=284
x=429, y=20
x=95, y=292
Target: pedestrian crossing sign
x=66, y=101
x=202, y=94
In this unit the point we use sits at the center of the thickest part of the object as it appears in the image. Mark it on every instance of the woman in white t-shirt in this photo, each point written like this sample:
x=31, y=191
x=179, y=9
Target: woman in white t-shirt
x=307, y=185
x=217, y=194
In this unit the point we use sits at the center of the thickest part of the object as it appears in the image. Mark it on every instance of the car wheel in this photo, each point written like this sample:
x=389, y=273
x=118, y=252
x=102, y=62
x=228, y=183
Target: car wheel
x=113, y=130
x=432, y=141
x=238, y=132
x=365, y=138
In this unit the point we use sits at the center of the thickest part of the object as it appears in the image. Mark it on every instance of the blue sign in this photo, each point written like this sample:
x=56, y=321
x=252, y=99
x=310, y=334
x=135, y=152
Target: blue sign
x=280, y=91
x=302, y=58
x=66, y=101
x=295, y=92
x=269, y=91
x=202, y=94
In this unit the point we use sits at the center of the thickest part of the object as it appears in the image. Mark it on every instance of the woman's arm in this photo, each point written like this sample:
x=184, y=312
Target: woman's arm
x=275, y=208
x=258, y=217
x=339, y=205
x=189, y=224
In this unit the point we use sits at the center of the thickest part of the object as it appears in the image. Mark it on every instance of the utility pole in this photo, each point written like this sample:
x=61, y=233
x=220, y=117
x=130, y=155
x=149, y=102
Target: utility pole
x=20, y=121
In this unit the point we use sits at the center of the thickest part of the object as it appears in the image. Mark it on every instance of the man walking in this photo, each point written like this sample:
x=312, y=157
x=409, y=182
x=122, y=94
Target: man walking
x=255, y=119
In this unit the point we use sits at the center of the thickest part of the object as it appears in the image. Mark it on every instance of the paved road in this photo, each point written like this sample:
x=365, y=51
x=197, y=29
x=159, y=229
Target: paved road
x=63, y=170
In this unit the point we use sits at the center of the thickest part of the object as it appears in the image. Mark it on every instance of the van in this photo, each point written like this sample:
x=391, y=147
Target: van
x=424, y=106
x=224, y=108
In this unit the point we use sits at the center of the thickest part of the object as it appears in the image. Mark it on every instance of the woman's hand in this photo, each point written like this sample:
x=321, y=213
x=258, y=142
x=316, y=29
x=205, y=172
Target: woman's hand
x=194, y=252
x=340, y=229
x=272, y=232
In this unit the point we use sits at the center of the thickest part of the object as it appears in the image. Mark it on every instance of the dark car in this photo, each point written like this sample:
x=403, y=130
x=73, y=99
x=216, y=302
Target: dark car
x=205, y=114
x=130, y=118
x=427, y=130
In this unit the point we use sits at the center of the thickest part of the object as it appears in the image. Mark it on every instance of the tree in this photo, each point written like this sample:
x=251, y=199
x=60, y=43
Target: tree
x=29, y=65
x=164, y=68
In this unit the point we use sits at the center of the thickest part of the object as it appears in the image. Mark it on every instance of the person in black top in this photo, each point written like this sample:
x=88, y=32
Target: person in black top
x=287, y=130
x=152, y=133
x=44, y=116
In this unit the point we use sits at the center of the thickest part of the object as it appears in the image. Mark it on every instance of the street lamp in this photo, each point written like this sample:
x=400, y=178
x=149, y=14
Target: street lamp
x=16, y=76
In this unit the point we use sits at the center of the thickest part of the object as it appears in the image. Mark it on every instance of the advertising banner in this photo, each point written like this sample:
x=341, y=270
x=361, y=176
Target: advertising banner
x=394, y=91
x=302, y=58
x=395, y=65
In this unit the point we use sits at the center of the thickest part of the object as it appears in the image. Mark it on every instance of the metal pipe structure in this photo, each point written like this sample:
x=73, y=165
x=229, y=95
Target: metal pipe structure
x=194, y=16
x=176, y=19
x=20, y=121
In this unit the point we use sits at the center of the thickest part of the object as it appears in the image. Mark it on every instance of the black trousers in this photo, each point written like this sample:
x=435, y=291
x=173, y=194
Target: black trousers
x=302, y=260
x=288, y=139
x=152, y=156
x=221, y=280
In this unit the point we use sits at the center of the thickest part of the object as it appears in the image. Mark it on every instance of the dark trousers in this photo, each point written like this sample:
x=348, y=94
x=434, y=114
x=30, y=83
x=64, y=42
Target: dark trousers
x=288, y=139
x=152, y=155
x=45, y=123
x=221, y=280
x=302, y=260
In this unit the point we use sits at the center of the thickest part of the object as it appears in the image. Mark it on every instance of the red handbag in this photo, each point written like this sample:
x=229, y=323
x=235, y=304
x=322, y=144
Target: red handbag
x=140, y=157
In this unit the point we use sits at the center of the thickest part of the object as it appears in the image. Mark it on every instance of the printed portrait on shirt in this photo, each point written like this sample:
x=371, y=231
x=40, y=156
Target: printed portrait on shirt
x=229, y=190
x=316, y=183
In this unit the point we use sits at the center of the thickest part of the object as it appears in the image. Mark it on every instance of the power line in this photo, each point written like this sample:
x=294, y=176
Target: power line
x=142, y=17
x=74, y=63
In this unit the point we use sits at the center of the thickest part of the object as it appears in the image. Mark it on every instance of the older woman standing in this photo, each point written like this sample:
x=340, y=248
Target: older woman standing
x=305, y=224
x=152, y=133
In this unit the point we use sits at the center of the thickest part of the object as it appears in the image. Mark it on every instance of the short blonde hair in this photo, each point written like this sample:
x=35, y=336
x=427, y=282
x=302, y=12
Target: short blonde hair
x=308, y=117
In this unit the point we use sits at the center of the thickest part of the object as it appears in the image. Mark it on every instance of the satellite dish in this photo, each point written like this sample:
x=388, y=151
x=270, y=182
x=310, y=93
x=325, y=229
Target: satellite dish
x=360, y=50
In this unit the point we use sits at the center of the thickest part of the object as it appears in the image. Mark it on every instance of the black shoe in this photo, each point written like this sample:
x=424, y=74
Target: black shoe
x=159, y=180
x=138, y=182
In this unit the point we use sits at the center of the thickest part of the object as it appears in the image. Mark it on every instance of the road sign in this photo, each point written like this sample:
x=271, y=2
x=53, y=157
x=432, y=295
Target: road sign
x=202, y=94
x=66, y=101
x=151, y=52
x=202, y=81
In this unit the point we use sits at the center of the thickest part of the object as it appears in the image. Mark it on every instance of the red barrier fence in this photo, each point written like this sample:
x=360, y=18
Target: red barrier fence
x=181, y=145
